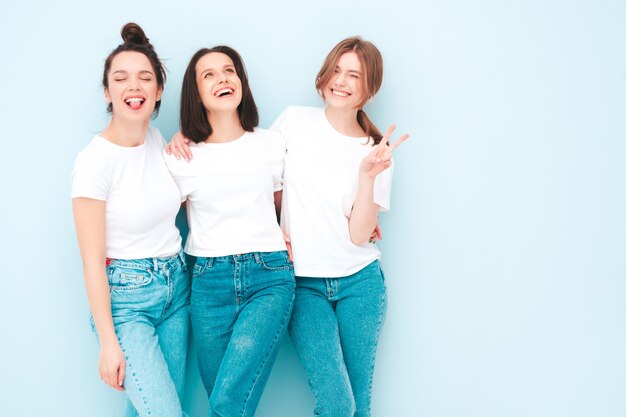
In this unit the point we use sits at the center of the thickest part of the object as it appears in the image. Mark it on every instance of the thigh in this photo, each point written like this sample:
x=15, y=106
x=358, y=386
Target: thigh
x=173, y=334
x=315, y=334
x=213, y=311
x=260, y=326
x=147, y=383
x=173, y=331
x=360, y=314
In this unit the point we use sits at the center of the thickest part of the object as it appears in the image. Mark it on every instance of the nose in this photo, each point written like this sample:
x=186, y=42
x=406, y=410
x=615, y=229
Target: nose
x=133, y=83
x=340, y=79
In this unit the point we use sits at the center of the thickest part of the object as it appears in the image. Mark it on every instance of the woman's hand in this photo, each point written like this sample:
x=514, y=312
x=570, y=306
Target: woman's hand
x=179, y=146
x=379, y=159
x=112, y=365
x=377, y=234
x=288, y=244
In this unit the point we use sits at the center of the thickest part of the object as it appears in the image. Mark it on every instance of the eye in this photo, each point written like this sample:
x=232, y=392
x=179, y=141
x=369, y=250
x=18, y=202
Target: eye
x=119, y=79
x=146, y=78
x=208, y=74
x=355, y=76
x=230, y=70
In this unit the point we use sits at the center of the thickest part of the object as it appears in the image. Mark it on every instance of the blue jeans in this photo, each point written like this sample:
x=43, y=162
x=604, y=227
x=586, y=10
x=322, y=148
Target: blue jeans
x=150, y=309
x=334, y=327
x=240, y=307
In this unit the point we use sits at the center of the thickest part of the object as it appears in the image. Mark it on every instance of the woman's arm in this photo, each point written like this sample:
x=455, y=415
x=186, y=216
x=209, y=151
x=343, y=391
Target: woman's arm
x=278, y=200
x=179, y=146
x=89, y=217
x=364, y=215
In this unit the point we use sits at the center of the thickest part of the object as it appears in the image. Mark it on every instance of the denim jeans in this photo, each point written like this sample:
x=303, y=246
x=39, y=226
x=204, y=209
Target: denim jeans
x=150, y=309
x=334, y=327
x=240, y=307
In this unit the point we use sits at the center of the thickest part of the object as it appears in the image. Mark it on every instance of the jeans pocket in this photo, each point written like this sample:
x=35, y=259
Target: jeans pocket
x=128, y=278
x=275, y=261
x=201, y=265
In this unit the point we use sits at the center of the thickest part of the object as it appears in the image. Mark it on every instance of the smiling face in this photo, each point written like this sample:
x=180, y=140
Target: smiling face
x=132, y=86
x=219, y=85
x=345, y=88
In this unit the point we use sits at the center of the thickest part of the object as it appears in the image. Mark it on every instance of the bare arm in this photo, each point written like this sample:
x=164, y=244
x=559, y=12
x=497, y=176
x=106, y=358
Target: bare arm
x=364, y=215
x=89, y=217
x=278, y=200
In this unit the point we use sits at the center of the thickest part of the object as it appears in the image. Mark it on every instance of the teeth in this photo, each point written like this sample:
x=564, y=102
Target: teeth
x=223, y=91
x=130, y=100
x=340, y=93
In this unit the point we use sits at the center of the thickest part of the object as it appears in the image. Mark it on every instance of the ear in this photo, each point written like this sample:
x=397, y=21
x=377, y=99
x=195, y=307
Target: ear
x=107, y=97
x=159, y=93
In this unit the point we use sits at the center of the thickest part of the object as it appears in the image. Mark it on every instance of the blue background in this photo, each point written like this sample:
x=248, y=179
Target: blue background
x=505, y=250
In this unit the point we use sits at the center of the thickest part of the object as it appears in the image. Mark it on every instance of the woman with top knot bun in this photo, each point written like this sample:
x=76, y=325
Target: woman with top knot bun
x=125, y=203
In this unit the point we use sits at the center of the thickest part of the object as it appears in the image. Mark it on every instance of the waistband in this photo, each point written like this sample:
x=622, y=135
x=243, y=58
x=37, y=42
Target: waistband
x=155, y=262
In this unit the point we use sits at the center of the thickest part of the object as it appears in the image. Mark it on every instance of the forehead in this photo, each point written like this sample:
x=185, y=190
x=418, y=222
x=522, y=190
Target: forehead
x=213, y=60
x=131, y=61
x=349, y=61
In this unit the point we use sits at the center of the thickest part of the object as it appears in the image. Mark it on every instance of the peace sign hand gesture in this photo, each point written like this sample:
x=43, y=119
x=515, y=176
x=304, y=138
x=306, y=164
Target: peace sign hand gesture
x=379, y=159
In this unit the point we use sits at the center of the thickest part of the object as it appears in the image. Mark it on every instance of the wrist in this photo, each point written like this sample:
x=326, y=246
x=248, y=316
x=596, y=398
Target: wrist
x=108, y=340
x=365, y=179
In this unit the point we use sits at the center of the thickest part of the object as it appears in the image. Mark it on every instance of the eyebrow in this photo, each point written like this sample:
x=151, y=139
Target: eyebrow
x=124, y=72
x=204, y=71
x=352, y=71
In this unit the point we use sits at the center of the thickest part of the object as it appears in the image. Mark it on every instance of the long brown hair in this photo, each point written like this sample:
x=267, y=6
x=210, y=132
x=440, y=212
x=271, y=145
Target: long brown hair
x=194, y=122
x=135, y=40
x=372, y=63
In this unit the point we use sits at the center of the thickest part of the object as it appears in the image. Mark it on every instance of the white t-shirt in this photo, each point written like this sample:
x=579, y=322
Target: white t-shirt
x=320, y=185
x=142, y=199
x=229, y=188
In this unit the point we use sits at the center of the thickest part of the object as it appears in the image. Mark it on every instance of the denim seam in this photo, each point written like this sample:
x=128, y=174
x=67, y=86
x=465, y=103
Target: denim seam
x=134, y=376
x=375, y=347
x=268, y=353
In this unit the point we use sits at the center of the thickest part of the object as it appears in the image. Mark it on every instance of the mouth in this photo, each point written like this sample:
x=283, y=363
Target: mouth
x=224, y=92
x=135, y=103
x=340, y=93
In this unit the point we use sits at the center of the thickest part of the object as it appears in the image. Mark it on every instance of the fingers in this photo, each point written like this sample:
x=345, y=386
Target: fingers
x=398, y=142
x=288, y=244
x=179, y=147
x=376, y=234
x=110, y=376
x=121, y=375
x=387, y=135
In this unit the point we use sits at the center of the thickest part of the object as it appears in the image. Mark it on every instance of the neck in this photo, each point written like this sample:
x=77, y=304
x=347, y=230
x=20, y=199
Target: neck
x=344, y=121
x=226, y=126
x=126, y=133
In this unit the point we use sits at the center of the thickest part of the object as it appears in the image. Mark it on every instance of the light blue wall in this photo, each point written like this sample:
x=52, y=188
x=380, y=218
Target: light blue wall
x=505, y=251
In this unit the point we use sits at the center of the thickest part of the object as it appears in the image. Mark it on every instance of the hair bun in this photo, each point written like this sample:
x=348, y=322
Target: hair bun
x=133, y=33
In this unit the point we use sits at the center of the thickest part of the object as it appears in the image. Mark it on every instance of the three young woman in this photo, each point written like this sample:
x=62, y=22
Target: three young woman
x=125, y=203
x=243, y=281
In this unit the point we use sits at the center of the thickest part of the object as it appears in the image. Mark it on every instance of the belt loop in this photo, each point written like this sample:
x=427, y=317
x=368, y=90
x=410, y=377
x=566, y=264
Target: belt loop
x=155, y=263
x=209, y=261
x=181, y=256
x=257, y=257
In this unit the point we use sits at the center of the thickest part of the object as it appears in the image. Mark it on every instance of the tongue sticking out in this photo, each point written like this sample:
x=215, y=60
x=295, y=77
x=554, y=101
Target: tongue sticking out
x=135, y=104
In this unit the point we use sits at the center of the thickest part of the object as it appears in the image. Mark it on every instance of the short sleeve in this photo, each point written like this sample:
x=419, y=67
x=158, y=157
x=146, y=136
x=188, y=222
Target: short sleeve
x=177, y=169
x=90, y=177
x=382, y=189
x=279, y=161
